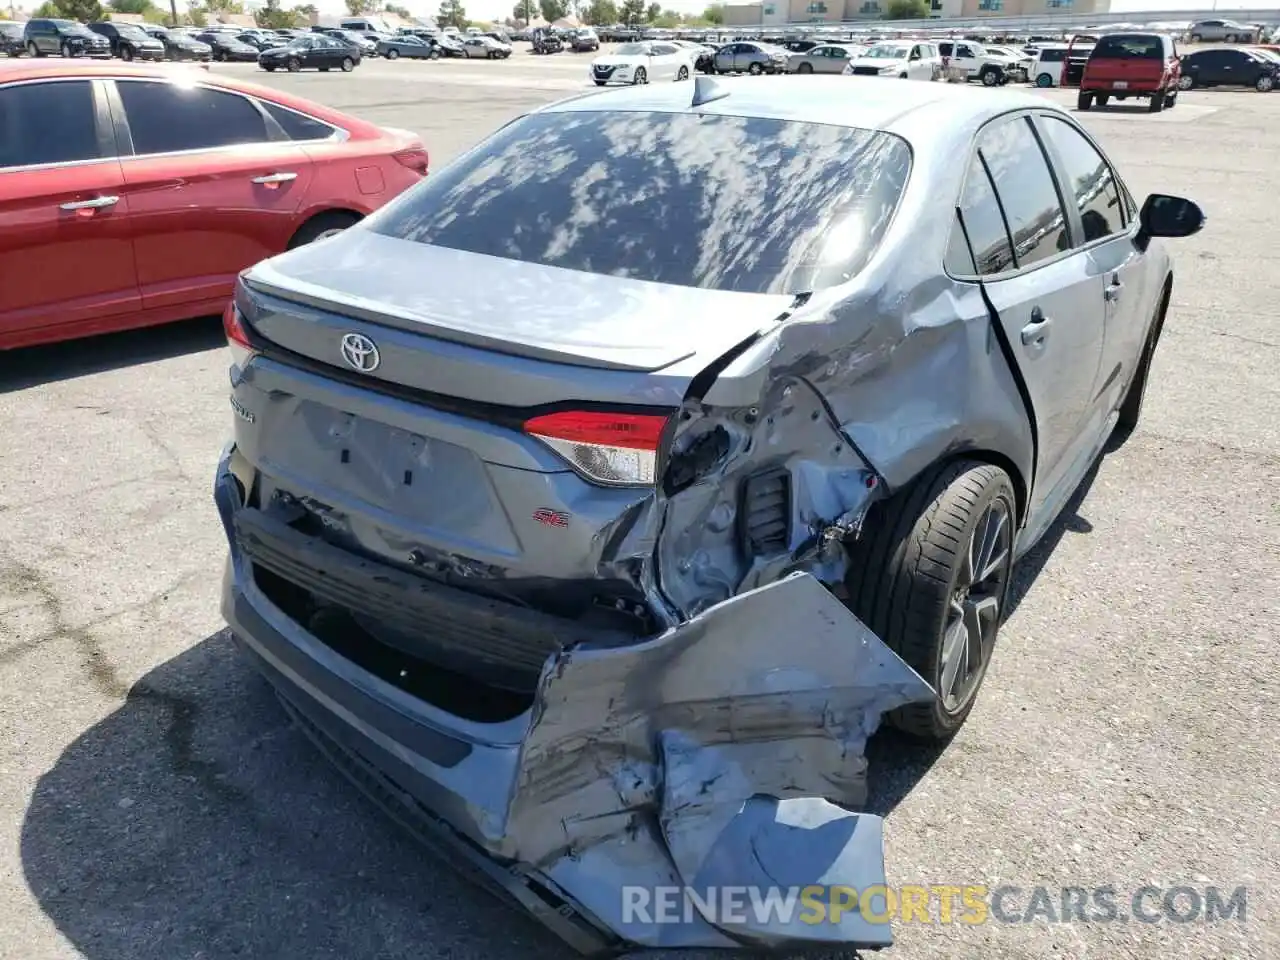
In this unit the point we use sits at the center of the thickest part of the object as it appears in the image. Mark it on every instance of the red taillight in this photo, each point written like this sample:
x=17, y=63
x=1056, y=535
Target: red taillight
x=415, y=158
x=237, y=336
x=608, y=448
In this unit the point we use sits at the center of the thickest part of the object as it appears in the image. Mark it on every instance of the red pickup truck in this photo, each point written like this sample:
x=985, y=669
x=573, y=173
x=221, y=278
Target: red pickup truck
x=1131, y=65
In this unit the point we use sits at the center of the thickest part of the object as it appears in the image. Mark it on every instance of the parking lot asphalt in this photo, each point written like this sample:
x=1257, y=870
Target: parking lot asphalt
x=155, y=804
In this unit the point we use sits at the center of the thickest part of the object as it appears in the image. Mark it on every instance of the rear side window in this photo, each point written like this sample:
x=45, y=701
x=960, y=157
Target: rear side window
x=47, y=123
x=1032, y=208
x=720, y=202
x=1052, y=56
x=983, y=225
x=1097, y=195
x=298, y=126
x=165, y=118
x=1129, y=47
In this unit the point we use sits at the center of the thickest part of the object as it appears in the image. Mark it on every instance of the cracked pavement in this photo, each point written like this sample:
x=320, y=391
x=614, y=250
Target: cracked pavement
x=156, y=804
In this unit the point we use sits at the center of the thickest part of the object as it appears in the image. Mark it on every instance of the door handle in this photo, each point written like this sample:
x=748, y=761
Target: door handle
x=275, y=179
x=1035, y=332
x=97, y=203
x=1112, y=292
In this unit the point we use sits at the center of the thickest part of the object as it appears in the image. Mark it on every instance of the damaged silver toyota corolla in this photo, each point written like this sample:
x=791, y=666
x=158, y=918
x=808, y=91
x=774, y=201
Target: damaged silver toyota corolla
x=592, y=502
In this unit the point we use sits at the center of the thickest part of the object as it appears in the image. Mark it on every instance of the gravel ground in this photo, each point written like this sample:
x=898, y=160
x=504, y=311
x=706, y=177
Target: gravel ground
x=156, y=805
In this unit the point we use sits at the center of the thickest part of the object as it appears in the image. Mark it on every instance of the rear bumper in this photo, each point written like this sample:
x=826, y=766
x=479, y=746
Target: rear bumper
x=711, y=758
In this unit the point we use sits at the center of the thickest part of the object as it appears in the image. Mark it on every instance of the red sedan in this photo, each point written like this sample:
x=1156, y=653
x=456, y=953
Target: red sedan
x=132, y=196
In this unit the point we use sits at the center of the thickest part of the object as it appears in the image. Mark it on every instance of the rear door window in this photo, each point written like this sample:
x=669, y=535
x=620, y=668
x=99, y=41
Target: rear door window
x=1028, y=195
x=722, y=202
x=166, y=118
x=47, y=123
x=1096, y=192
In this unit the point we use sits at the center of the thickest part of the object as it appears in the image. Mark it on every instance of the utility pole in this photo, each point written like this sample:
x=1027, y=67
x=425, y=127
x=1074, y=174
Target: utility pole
x=173, y=8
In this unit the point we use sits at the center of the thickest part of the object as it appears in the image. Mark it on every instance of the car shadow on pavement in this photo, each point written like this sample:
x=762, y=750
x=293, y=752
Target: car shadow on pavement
x=196, y=822
x=31, y=366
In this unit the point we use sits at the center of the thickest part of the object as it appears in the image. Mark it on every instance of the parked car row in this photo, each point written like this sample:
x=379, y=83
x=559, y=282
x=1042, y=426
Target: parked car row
x=153, y=188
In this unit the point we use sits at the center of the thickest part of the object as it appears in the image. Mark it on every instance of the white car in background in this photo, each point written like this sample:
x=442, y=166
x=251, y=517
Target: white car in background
x=643, y=62
x=908, y=61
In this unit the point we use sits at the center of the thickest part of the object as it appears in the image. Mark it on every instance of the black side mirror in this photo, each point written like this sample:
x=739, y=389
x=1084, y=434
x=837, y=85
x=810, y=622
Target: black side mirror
x=1166, y=216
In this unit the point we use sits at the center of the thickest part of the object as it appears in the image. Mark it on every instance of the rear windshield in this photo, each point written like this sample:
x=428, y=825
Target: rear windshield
x=727, y=203
x=1121, y=47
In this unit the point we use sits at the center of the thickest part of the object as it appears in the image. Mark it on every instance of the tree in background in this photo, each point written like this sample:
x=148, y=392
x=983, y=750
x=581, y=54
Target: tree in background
x=271, y=16
x=82, y=10
x=357, y=7
x=602, y=13
x=631, y=12
x=907, y=10
x=652, y=12
x=401, y=12
x=452, y=14
x=714, y=13
x=553, y=10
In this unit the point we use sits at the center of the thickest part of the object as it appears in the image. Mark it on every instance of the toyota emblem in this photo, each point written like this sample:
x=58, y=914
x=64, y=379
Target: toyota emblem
x=360, y=352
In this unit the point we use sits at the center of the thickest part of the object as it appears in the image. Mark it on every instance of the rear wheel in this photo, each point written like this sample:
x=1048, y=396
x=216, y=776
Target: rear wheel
x=1265, y=83
x=805, y=68
x=990, y=77
x=682, y=74
x=348, y=64
x=33, y=50
x=393, y=54
x=640, y=76
x=1044, y=80
x=269, y=68
x=322, y=226
x=1131, y=407
x=1196, y=38
x=599, y=83
x=1171, y=100
x=126, y=54
x=1186, y=82
x=1084, y=101
x=1103, y=99
x=930, y=574
x=1157, y=102
x=66, y=50
x=294, y=65
x=755, y=69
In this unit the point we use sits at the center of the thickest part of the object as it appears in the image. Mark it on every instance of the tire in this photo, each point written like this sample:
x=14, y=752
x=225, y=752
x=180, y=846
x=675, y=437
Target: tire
x=600, y=83
x=293, y=66
x=1103, y=99
x=682, y=74
x=433, y=55
x=1196, y=38
x=1084, y=101
x=269, y=68
x=393, y=54
x=66, y=51
x=1157, y=102
x=321, y=226
x=348, y=64
x=126, y=54
x=902, y=76
x=1265, y=84
x=1044, y=81
x=755, y=69
x=640, y=76
x=910, y=584
x=1230, y=38
x=1186, y=82
x=990, y=77
x=1130, y=412
x=805, y=68
x=33, y=50
x=1171, y=100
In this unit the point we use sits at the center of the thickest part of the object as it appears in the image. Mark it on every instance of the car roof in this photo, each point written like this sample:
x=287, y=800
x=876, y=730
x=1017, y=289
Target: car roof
x=868, y=103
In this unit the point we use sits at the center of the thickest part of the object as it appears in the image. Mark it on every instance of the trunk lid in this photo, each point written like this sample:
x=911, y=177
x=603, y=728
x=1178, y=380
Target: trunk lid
x=584, y=325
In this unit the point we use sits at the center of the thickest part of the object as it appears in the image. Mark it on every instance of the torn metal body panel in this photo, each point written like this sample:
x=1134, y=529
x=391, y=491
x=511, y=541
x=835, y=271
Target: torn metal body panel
x=710, y=756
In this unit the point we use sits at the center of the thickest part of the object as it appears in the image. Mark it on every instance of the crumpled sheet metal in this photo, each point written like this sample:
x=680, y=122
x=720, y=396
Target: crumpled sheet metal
x=726, y=752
